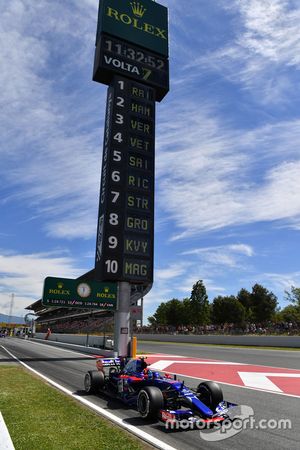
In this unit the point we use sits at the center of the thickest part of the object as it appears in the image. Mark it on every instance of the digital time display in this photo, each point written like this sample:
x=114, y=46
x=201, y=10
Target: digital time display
x=135, y=54
x=113, y=56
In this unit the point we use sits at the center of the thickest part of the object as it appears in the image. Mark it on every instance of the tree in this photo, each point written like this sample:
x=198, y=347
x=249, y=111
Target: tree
x=169, y=313
x=174, y=312
x=186, y=312
x=160, y=315
x=198, y=305
x=263, y=304
x=290, y=313
x=227, y=310
x=293, y=296
x=245, y=299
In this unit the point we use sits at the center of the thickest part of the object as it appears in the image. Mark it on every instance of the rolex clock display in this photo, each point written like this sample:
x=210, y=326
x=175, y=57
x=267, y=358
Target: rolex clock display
x=84, y=290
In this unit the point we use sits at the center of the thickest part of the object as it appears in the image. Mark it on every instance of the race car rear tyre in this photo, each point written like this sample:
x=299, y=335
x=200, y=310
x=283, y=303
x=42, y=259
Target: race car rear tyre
x=150, y=401
x=210, y=394
x=93, y=381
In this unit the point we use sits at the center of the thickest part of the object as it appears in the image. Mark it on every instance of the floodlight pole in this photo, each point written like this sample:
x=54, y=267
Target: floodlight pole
x=122, y=321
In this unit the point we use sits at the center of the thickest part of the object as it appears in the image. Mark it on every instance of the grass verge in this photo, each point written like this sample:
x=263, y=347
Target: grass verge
x=39, y=417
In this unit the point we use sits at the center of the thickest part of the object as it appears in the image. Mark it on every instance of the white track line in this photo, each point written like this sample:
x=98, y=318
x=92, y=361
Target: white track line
x=5, y=439
x=164, y=363
x=136, y=431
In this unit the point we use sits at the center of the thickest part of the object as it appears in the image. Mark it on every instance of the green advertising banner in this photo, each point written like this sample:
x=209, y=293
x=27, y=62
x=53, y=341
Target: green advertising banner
x=69, y=293
x=144, y=23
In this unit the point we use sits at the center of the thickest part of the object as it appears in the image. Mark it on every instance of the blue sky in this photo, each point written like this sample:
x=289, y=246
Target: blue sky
x=227, y=148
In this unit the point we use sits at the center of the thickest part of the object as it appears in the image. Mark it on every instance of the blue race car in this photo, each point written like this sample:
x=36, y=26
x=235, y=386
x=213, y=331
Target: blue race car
x=155, y=396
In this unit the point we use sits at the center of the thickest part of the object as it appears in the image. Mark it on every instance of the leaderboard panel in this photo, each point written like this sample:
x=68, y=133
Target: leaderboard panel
x=124, y=249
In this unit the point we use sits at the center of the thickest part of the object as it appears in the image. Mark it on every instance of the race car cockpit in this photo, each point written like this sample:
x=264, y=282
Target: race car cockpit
x=135, y=366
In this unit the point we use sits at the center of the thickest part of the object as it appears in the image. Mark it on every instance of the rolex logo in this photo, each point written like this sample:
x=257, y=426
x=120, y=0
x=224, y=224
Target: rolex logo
x=135, y=22
x=106, y=290
x=138, y=9
x=60, y=285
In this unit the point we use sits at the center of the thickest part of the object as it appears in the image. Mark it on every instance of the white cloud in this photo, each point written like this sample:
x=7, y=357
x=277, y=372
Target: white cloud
x=50, y=156
x=225, y=255
x=280, y=281
x=24, y=274
x=278, y=197
x=263, y=51
x=176, y=281
x=212, y=176
x=167, y=279
x=75, y=226
x=169, y=273
x=204, y=164
x=271, y=30
x=243, y=249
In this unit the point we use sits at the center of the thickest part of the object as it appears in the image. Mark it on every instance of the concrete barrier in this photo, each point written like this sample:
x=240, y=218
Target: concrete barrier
x=78, y=343
x=89, y=341
x=96, y=343
x=255, y=341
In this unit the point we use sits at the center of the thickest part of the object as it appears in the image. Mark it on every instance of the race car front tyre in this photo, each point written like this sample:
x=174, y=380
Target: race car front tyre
x=93, y=381
x=210, y=394
x=150, y=401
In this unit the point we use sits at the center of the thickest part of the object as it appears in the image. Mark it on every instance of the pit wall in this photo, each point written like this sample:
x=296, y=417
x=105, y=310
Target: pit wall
x=95, y=342
x=97, y=345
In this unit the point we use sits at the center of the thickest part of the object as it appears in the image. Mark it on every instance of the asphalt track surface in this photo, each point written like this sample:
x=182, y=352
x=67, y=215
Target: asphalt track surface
x=68, y=368
x=289, y=359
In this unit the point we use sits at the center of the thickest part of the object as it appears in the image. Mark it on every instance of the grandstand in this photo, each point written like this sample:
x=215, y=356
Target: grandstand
x=73, y=320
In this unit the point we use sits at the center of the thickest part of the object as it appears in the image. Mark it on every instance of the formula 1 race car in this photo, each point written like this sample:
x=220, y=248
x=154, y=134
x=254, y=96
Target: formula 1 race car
x=163, y=398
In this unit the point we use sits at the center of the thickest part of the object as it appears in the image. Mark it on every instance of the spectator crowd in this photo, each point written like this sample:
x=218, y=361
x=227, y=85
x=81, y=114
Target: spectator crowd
x=287, y=328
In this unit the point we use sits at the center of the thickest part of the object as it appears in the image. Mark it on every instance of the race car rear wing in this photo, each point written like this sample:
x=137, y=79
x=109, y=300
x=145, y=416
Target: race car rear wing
x=102, y=363
x=108, y=362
